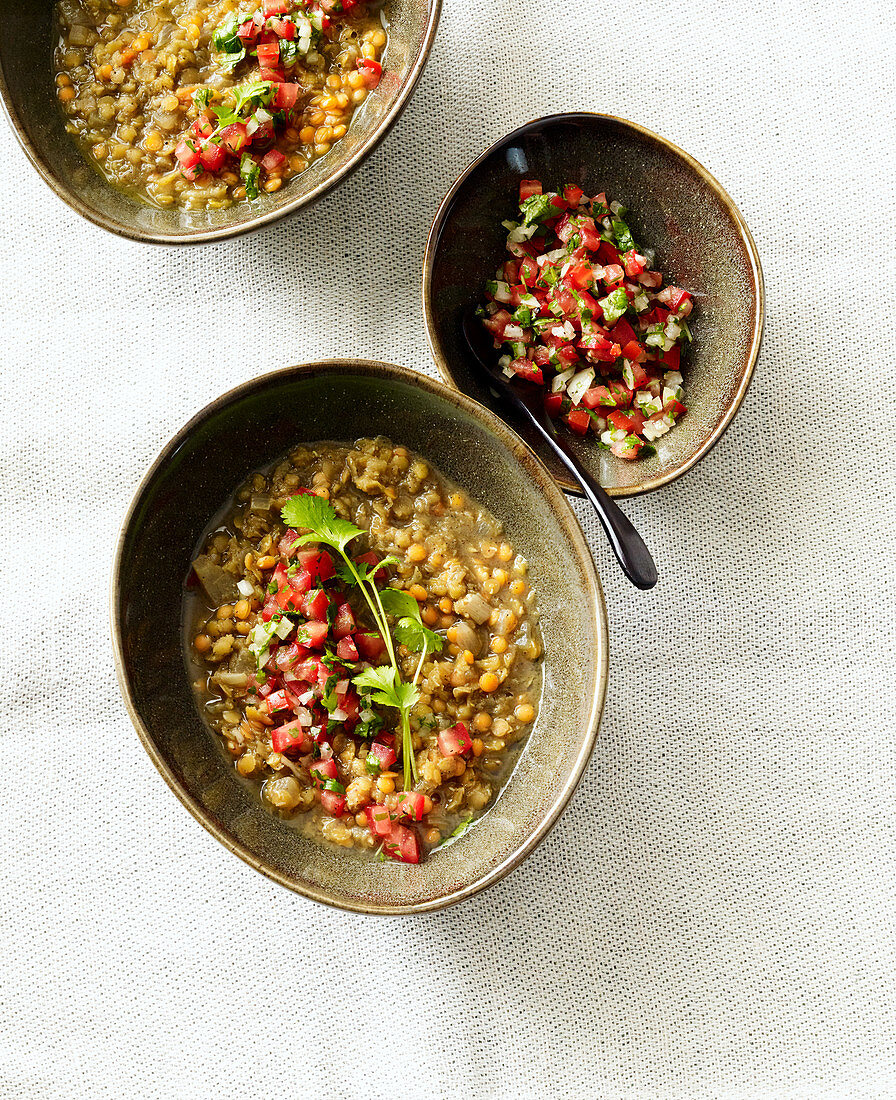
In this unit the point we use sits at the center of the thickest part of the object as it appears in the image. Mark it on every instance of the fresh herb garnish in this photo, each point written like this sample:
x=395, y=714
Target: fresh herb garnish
x=249, y=174
x=317, y=518
x=623, y=235
x=538, y=208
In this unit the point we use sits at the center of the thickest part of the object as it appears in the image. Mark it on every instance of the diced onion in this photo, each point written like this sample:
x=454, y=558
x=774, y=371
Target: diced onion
x=284, y=628
x=246, y=587
x=558, y=385
x=513, y=332
x=338, y=715
x=579, y=383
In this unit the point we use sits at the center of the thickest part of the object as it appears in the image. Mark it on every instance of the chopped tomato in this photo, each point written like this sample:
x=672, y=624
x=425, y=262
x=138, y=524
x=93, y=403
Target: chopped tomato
x=455, y=741
x=371, y=71
x=579, y=421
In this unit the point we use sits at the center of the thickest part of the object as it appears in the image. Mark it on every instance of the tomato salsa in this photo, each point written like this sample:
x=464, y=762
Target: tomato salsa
x=578, y=309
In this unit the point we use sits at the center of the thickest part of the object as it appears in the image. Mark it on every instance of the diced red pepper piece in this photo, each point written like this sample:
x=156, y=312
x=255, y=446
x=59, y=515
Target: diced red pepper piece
x=402, y=844
x=234, y=138
x=634, y=263
x=411, y=805
x=213, y=156
x=525, y=368
x=283, y=28
x=640, y=377
x=553, y=402
x=674, y=408
x=308, y=671
x=600, y=348
x=371, y=70
x=607, y=254
x=672, y=358
x=270, y=608
x=312, y=634
x=497, y=323
x=344, y=623
x=621, y=420
x=289, y=657
x=268, y=55
x=346, y=650
x=384, y=754
x=187, y=153
x=317, y=563
x=598, y=395
x=202, y=127
x=286, y=96
x=634, y=352
x=573, y=194
x=277, y=700
x=272, y=159
x=578, y=421
x=379, y=820
x=299, y=580
x=291, y=739
x=333, y=802
x=248, y=30
x=621, y=394
x=457, y=740
x=370, y=646
x=528, y=188
x=316, y=604
x=272, y=76
x=322, y=770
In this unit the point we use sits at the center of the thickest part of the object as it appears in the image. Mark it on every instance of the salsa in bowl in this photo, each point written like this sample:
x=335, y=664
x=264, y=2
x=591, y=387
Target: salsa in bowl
x=522, y=674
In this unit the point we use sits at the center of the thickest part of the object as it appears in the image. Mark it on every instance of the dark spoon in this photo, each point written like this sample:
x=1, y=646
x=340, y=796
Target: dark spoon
x=627, y=544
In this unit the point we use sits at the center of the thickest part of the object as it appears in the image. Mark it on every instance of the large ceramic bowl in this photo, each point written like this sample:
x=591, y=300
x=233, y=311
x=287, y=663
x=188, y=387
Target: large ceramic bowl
x=28, y=95
x=193, y=478
x=675, y=206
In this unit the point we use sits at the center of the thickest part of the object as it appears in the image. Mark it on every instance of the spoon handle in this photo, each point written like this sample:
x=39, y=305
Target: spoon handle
x=628, y=546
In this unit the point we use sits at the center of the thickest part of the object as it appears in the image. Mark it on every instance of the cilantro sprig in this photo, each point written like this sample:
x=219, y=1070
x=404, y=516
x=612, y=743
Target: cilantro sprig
x=384, y=684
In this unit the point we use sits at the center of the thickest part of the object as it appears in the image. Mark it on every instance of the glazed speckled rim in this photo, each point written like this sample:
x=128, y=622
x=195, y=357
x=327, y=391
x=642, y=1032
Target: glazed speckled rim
x=71, y=198
x=746, y=236
x=534, y=470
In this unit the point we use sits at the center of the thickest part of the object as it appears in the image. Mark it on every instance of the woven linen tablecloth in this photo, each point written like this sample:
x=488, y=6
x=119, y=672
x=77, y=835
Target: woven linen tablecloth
x=712, y=916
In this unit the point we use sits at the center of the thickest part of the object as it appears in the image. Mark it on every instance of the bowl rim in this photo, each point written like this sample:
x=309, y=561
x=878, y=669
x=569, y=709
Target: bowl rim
x=441, y=360
x=72, y=199
x=537, y=472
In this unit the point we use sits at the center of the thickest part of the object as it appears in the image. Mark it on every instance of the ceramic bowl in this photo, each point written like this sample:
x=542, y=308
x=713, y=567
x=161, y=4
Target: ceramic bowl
x=28, y=95
x=675, y=206
x=194, y=477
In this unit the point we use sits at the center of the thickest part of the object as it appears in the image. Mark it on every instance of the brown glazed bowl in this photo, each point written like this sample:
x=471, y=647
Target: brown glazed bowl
x=27, y=93
x=675, y=206
x=194, y=477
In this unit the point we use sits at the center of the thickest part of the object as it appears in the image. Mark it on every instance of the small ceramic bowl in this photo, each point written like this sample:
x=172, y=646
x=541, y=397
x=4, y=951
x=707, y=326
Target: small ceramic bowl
x=194, y=477
x=675, y=207
x=27, y=92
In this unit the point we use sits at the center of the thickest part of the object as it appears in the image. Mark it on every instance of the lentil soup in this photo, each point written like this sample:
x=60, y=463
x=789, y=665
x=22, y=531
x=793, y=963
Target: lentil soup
x=278, y=642
x=200, y=104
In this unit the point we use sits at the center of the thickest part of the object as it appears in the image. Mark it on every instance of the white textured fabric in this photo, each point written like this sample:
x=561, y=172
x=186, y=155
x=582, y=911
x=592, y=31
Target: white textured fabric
x=713, y=915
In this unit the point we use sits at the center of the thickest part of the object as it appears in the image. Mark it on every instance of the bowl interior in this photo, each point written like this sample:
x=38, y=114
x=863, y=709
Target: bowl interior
x=195, y=476
x=675, y=207
x=26, y=42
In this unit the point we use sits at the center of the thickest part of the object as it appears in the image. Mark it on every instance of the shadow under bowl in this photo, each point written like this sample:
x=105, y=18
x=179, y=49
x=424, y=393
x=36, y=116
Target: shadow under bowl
x=28, y=95
x=675, y=207
x=193, y=478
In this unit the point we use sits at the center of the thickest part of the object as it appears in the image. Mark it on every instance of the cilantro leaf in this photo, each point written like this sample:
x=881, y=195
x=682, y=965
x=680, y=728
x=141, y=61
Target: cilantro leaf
x=257, y=93
x=386, y=687
x=365, y=572
x=225, y=116
x=249, y=174
x=202, y=97
x=413, y=634
x=623, y=235
x=538, y=208
x=260, y=640
x=318, y=516
x=400, y=604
